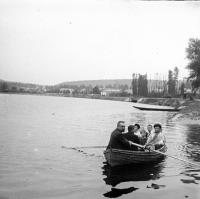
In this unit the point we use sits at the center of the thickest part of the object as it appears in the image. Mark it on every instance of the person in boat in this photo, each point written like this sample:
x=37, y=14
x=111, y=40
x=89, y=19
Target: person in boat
x=143, y=137
x=137, y=130
x=132, y=137
x=149, y=129
x=156, y=140
x=117, y=139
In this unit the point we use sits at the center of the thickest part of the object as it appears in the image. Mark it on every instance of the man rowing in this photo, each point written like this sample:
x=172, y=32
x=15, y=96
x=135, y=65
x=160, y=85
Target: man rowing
x=156, y=139
x=117, y=139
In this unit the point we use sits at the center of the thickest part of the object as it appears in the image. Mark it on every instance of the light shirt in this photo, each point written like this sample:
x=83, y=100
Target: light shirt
x=138, y=133
x=156, y=138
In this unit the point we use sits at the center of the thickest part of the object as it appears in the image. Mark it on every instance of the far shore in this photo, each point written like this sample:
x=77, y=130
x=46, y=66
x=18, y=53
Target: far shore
x=190, y=111
x=123, y=99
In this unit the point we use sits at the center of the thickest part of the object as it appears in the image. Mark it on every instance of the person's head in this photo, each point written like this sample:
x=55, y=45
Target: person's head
x=130, y=128
x=136, y=127
x=149, y=127
x=157, y=127
x=121, y=126
x=143, y=132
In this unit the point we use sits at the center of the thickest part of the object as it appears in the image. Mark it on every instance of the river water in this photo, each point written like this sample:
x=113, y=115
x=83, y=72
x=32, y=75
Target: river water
x=34, y=163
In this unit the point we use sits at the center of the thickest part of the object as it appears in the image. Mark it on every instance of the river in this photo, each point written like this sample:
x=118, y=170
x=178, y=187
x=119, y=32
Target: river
x=33, y=163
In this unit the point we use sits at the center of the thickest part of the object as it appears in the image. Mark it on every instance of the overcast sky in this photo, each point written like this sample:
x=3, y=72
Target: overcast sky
x=52, y=41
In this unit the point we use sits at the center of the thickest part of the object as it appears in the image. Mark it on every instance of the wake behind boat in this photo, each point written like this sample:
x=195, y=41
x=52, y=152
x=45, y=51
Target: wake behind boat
x=149, y=107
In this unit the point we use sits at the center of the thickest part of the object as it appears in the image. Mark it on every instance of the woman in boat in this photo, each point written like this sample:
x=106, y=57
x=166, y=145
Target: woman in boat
x=137, y=130
x=156, y=140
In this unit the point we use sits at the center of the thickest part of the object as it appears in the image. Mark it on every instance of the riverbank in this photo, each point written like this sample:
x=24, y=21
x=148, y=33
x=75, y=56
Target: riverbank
x=189, y=113
x=173, y=102
x=190, y=110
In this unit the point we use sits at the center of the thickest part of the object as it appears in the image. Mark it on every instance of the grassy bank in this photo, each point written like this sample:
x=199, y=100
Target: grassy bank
x=174, y=102
x=190, y=111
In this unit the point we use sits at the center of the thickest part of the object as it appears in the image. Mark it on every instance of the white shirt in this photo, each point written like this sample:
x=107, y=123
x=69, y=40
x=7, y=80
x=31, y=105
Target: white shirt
x=156, y=138
x=138, y=133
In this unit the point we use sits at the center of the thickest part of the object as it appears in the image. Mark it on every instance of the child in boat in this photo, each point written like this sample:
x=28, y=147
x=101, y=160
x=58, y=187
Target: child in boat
x=143, y=136
x=149, y=129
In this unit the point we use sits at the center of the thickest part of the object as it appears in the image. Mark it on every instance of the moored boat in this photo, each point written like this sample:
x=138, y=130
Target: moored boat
x=148, y=107
x=117, y=157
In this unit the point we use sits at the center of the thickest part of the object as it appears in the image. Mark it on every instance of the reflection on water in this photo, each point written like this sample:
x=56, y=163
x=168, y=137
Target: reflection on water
x=114, y=193
x=117, y=175
x=127, y=173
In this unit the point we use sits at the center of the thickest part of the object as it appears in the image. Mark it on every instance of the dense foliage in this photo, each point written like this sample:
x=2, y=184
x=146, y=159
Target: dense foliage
x=193, y=55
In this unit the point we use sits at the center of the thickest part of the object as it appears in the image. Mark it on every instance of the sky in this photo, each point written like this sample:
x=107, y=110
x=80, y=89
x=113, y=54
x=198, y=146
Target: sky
x=53, y=41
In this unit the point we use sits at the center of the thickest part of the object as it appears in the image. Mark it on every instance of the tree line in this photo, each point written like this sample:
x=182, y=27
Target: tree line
x=160, y=87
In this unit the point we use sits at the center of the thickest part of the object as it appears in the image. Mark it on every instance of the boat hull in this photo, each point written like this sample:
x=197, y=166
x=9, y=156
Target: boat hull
x=155, y=109
x=117, y=157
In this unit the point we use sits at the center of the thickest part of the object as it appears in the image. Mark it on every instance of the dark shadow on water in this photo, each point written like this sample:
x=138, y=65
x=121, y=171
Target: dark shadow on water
x=189, y=181
x=114, y=193
x=127, y=173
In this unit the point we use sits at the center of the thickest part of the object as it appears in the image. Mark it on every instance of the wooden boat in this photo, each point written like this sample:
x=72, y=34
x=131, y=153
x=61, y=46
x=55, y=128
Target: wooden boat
x=117, y=157
x=148, y=107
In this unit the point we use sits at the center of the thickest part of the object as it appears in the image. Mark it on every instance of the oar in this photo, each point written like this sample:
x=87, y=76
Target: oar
x=171, y=156
x=83, y=147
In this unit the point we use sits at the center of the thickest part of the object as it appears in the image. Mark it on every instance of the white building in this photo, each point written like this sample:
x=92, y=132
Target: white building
x=107, y=92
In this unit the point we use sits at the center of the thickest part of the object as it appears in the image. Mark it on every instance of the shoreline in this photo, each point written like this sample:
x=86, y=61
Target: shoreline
x=122, y=99
x=190, y=113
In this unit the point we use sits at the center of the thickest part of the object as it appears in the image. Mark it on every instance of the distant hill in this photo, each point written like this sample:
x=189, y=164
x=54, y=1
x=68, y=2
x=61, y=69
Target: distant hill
x=20, y=84
x=101, y=82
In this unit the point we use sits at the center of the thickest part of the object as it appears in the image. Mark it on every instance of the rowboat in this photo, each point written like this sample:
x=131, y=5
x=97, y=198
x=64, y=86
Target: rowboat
x=148, y=107
x=117, y=157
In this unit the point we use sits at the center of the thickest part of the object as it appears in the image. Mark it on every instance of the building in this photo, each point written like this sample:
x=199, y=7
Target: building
x=107, y=92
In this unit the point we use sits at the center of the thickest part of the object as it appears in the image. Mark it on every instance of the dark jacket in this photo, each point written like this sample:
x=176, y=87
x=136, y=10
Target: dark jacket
x=143, y=141
x=134, y=138
x=118, y=141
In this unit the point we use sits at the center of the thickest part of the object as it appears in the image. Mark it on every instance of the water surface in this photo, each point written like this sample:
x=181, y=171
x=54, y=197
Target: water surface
x=33, y=163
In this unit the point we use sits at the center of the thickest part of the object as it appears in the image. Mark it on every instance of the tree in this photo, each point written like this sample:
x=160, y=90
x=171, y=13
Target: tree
x=4, y=86
x=176, y=73
x=14, y=89
x=96, y=90
x=171, y=83
x=182, y=89
x=142, y=85
x=193, y=54
x=134, y=84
